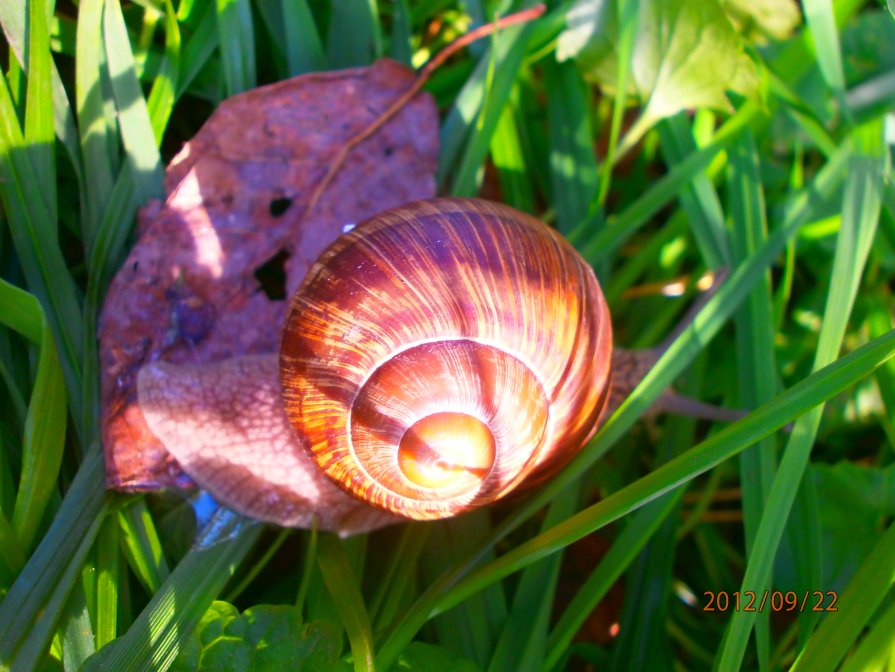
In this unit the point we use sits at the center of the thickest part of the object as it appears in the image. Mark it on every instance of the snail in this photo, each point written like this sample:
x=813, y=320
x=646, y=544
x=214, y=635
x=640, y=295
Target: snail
x=437, y=357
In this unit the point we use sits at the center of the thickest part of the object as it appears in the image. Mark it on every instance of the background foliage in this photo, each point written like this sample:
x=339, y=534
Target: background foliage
x=666, y=140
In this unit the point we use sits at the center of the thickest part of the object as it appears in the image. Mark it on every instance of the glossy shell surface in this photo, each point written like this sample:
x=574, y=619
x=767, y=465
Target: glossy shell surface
x=442, y=353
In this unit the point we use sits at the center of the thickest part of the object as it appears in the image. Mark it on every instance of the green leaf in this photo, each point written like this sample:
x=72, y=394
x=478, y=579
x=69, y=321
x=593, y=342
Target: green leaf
x=686, y=55
x=763, y=20
x=263, y=638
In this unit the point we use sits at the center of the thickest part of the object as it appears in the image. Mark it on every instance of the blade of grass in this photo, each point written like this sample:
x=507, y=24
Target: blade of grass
x=39, y=136
x=770, y=417
x=678, y=356
x=625, y=548
x=258, y=566
x=236, y=41
x=400, y=575
x=508, y=158
x=856, y=605
x=698, y=198
x=12, y=19
x=400, y=47
x=756, y=365
x=104, y=257
x=155, y=637
x=304, y=50
x=29, y=612
x=163, y=94
x=310, y=563
x=875, y=649
x=879, y=321
x=343, y=586
x=107, y=580
x=628, y=12
x=133, y=117
x=198, y=49
x=508, y=51
x=573, y=165
x=354, y=34
x=868, y=168
x=76, y=632
x=522, y=643
x=822, y=25
x=472, y=629
x=142, y=547
x=44, y=435
x=35, y=240
x=91, y=117
x=602, y=245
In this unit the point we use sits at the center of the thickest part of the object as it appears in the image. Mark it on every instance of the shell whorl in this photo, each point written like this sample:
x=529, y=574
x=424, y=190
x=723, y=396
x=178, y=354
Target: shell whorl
x=441, y=353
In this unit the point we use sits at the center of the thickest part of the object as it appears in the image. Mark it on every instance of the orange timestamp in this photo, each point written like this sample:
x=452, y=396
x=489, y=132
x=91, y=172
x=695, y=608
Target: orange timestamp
x=773, y=600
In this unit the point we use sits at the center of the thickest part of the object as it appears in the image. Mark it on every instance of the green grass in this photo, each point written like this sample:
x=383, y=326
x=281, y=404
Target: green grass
x=785, y=183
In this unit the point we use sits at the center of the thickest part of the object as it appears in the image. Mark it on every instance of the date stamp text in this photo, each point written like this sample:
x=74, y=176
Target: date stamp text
x=772, y=600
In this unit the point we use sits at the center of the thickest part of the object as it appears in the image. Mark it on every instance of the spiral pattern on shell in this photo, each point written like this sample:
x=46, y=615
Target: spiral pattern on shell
x=442, y=353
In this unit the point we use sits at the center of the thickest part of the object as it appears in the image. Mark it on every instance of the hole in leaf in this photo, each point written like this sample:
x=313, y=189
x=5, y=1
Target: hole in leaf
x=278, y=206
x=271, y=275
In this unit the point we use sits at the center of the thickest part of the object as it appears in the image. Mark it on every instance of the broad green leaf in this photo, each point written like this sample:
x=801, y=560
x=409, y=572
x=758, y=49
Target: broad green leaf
x=263, y=638
x=686, y=55
x=763, y=20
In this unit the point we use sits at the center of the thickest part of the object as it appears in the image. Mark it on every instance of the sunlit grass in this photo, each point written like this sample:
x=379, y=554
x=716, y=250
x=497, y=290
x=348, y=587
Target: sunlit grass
x=787, y=188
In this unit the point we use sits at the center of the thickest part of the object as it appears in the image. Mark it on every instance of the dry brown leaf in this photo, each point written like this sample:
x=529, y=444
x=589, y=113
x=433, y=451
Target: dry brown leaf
x=237, y=198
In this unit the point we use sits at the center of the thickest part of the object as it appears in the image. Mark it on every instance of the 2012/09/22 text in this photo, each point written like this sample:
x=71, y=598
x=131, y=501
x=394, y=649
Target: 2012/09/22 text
x=776, y=600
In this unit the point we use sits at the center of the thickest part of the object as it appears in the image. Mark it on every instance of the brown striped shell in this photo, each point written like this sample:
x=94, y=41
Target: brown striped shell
x=442, y=353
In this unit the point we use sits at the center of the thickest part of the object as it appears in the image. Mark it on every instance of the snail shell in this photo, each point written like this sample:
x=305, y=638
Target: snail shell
x=435, y=358
x=442, y=353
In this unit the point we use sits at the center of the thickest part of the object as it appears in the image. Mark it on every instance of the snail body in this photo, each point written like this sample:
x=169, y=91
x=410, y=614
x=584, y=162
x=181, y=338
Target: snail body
x=435, y=358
